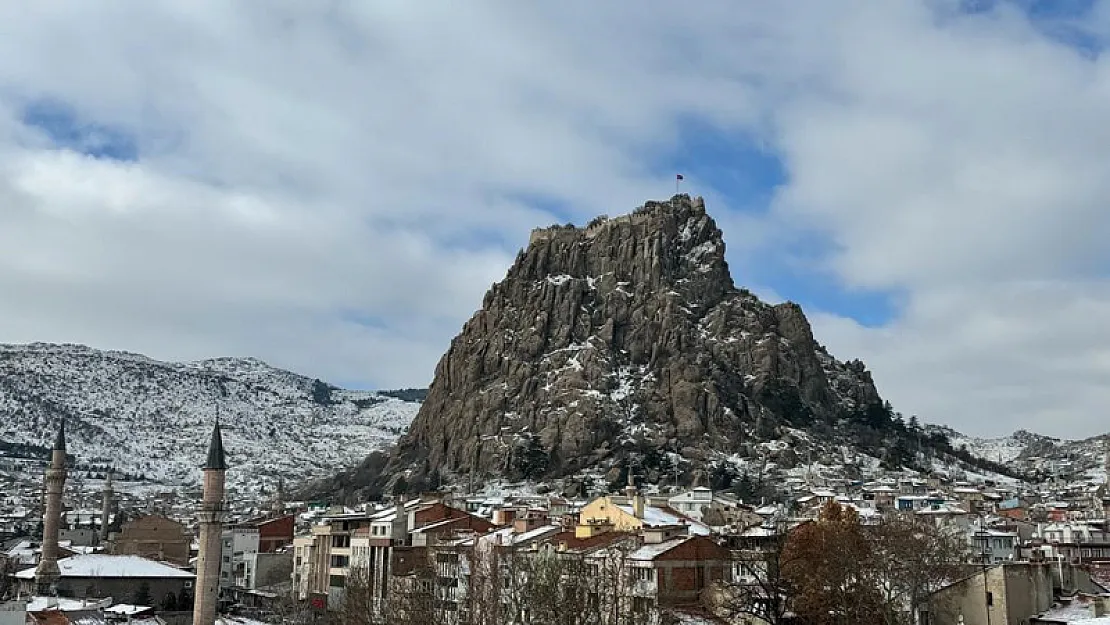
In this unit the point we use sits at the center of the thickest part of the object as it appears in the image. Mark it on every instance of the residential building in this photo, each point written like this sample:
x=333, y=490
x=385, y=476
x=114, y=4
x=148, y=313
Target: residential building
x=323, y=560
x=993, y=546
x=630, y=513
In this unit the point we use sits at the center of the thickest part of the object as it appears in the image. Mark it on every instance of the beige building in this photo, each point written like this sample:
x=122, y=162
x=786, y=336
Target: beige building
x=631, y=513
x=322, y=560
x=153, y=537
x=1010, y=593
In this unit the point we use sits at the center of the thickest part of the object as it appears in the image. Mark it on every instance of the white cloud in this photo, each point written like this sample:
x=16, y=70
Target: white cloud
x=333, y=186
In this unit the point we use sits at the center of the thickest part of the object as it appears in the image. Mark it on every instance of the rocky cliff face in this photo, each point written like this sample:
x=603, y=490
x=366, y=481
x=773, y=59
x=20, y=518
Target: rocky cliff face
x=624, y=337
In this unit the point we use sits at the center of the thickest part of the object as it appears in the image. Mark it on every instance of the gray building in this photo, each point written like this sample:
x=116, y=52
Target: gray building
x=120, y=577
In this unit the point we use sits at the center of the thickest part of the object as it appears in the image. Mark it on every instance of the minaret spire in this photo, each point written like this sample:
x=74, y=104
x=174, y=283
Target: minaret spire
x=630, y=489
x=216, y=458
x=106, y=496
x=47, y=572
x=278, y=506
x=211, y=517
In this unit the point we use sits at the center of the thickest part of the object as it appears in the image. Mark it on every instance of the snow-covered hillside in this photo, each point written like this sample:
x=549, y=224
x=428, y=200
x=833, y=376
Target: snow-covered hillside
x=1001, y=450
x=151, y=418
x=1038, y=455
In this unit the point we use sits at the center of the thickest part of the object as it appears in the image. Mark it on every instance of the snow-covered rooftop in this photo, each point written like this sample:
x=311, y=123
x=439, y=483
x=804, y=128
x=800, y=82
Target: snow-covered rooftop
x=101, y=565
x=654, y=516
x=127, y=609
x=652, y=551
x=38, y=604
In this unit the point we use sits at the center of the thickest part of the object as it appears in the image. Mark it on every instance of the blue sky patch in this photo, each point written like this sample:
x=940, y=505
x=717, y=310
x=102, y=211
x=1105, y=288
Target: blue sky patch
x=67, y=130
x=747, y=173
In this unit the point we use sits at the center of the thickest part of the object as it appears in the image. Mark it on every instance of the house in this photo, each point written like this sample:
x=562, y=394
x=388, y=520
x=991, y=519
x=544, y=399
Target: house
x=946, y=515
x=692, y=501
x=663, y=572
x=1005, y=593
x=882, y=495
x=712, y=508
x=630, y=513
x=274, y=534
x=1074, y=542
x=1014, y=508
x=970, y=498
x=26, y=553
x=255, y=554
x=910, y=503
x=238, y=544
x=993, y=546
x=120, y=576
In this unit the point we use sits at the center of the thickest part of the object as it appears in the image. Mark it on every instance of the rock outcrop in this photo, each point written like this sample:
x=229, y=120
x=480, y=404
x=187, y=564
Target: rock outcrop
x=622, y=337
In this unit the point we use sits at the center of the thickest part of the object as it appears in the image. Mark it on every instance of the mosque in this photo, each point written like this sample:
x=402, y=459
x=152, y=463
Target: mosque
x=113, y=573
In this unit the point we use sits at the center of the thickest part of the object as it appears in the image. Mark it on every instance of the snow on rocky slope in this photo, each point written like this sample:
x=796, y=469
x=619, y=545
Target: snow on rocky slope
x=151, y=418
x=1040, y=456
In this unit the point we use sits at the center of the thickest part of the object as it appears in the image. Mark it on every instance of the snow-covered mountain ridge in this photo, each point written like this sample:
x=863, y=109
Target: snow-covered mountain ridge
x=151, y=418
x=1037, y=455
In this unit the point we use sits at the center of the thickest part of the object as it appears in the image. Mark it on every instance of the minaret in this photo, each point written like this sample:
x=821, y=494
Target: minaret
x=1106, y=485
x=47, y=573
x=211, y=517
x=278, y=506
x=106, y=496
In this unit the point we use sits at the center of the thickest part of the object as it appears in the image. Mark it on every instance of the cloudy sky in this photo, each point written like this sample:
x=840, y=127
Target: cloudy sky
x=332, y=186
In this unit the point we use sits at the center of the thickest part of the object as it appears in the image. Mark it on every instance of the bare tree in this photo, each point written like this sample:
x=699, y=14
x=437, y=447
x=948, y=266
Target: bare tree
x=483, y=601
x=412, y=595
x=7, y=569
x=759, y=590
x=612, y=575
x=560, y=590
x=910, y=559
x=287, y=609
x=356, y=607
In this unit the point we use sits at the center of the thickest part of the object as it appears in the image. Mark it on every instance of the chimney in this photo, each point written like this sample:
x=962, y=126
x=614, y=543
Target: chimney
x=638, y=505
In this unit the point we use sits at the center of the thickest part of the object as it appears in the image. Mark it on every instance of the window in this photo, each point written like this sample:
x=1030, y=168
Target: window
x=643, y=574
x=339, y=562
x=337, y=581
x=341, y=541
x=641, y=605
x=990, y=598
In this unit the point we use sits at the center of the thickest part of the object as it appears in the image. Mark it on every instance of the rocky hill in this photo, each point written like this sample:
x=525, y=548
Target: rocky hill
x=152, y=419
x=626, y=341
